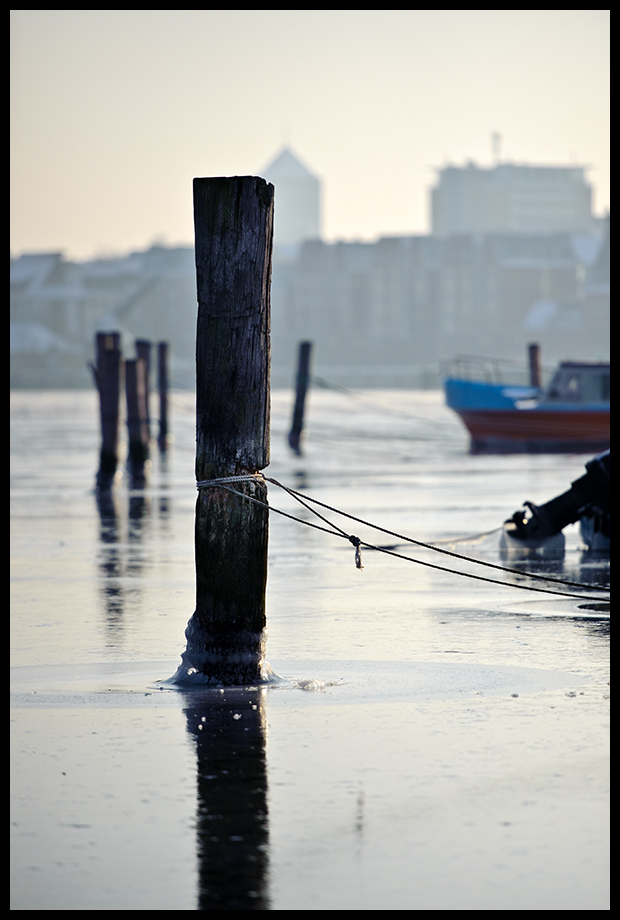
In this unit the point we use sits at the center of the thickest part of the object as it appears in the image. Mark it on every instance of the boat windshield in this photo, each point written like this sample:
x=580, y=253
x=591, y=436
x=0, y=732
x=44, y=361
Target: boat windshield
x=579, y=383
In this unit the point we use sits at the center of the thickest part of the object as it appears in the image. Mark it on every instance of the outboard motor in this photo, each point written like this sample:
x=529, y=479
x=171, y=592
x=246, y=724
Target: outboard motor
x=588, y=500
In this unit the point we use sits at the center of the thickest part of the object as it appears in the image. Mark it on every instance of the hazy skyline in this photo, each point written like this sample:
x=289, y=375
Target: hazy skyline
x=113, y=112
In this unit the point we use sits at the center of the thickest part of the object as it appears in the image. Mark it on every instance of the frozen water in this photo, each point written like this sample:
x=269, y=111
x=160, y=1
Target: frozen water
x=433, y=742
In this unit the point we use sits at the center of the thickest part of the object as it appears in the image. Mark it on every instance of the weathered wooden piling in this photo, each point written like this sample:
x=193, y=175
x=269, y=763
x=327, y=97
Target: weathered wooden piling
x=534, y=361
x=107, y=373
x=301, y=388
x=137, y=431
x=143, y=350
x=233, y=220
x=162, y=387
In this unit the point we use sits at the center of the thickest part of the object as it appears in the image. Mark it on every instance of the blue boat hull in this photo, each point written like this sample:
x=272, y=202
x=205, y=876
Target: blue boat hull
x=503, y=418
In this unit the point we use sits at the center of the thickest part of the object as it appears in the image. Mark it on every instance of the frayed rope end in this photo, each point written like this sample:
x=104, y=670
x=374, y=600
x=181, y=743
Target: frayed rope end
x=358, y=552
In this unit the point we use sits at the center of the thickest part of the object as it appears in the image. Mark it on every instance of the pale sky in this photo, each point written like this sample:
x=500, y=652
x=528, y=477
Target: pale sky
x=115, y=111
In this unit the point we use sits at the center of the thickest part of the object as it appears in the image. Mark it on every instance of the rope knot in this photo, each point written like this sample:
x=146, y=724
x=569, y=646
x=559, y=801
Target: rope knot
x=358, y=553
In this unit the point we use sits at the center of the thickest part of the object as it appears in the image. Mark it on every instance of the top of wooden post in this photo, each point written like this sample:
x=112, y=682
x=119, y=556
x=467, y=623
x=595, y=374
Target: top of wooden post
x=233, y=220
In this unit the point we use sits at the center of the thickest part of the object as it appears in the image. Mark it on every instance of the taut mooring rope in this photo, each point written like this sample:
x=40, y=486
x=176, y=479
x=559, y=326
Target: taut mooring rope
x=357, y=543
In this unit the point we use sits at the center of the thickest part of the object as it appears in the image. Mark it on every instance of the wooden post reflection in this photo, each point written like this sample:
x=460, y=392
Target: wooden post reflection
x=232, y=820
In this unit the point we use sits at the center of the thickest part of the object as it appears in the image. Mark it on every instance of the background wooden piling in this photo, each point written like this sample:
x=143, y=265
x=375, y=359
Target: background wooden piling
x=143, y=350
x=234, y=226
x=137, y=431
x=107, y=372
x=162, y=387
x=302, y=384
x=534, y=361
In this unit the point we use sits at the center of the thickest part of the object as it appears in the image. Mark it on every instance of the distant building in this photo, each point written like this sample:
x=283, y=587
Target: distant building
x=297, y=215
x=57, y=307
x=597, y=288
x=509, y=198
x=369, y=308
x=387, y=313
x=380, y=314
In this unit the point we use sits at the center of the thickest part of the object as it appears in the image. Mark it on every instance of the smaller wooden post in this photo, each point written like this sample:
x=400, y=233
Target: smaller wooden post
x=162, y=385
x=143, y=350
x=534, y=359
x=137, y=430
x=107, y=374
x=303, y=381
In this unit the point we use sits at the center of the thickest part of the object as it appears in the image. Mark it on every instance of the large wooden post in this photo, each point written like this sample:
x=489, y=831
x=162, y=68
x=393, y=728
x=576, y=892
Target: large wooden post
x=107, y=374
x=233, y=220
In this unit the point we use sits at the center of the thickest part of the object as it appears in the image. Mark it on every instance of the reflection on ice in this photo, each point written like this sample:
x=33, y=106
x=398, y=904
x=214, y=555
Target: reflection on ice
x=232, y=826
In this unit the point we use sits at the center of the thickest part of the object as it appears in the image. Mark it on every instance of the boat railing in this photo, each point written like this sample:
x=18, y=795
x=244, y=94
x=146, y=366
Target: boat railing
x=496, y=371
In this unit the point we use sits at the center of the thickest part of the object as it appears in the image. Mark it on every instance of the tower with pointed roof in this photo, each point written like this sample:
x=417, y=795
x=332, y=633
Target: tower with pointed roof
x=297, y=214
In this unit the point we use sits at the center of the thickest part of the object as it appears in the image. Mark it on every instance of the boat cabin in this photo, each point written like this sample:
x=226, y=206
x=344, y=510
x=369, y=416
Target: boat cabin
x=579, y=382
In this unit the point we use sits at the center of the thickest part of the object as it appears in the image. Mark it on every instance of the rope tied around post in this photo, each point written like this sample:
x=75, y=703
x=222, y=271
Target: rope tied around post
x=224, y=480
x=259, y=477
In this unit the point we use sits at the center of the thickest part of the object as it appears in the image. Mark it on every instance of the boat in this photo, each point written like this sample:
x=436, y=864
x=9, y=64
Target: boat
x=505, y=413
